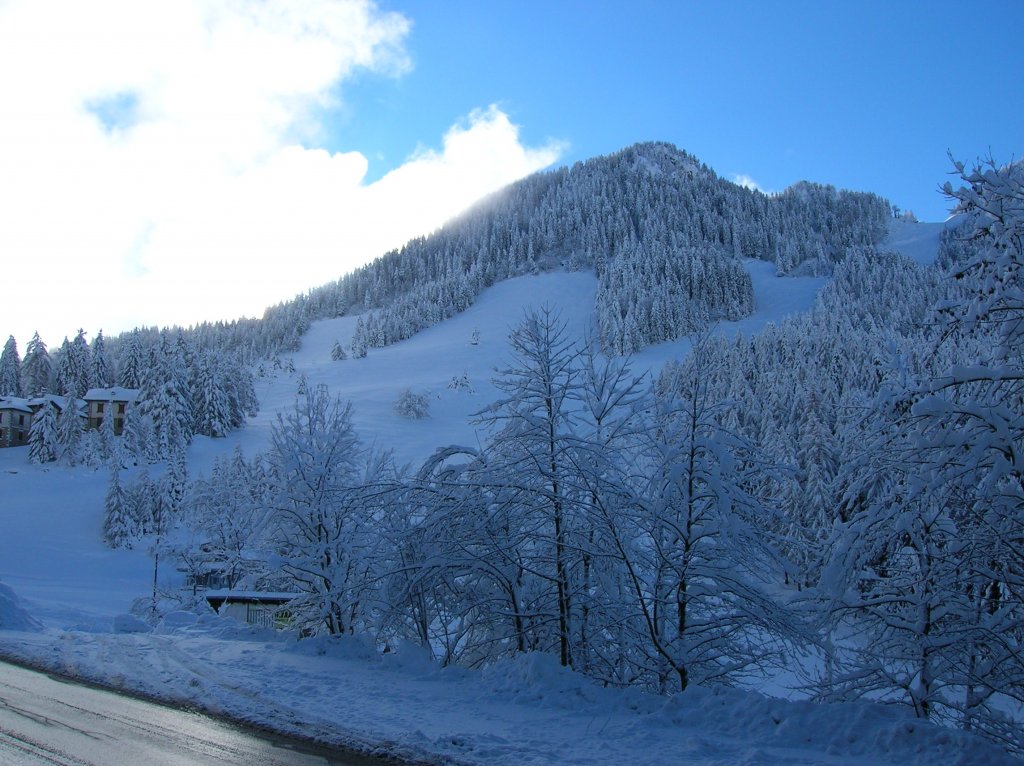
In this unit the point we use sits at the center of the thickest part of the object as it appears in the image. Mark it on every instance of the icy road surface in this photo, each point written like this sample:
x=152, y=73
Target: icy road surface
x=47, y=720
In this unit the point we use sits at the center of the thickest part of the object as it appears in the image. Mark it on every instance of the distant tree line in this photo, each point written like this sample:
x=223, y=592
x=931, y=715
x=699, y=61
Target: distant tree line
x=183, y=391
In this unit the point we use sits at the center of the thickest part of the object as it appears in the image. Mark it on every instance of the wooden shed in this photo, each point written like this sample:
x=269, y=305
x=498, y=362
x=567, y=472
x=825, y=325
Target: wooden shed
x=267, y=609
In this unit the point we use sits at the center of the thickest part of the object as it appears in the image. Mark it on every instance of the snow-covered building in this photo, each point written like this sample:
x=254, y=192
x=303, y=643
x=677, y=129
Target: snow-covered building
x=266, y=609
x=16, y=414
x=15, y=421
x=112, y=402
x=57, y=402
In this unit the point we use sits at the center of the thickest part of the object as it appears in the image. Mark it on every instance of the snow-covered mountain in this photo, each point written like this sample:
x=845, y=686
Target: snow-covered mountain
x=662, y=232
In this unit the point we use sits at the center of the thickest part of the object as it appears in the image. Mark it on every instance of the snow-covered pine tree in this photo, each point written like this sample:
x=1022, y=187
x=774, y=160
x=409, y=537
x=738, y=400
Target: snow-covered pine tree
x=137, y=439
x=141, y=498
x=359, y=340
x=110, y=448
x=174, y=484
x=212, y=401
x=91, y=449
x=171, y=418
x=102, y=372
x=816, y=462
x=37, y=368
x=164, y=400
x=43, y=439
x=69, y=430
x=10, y=369
x=132, y=362
x=118, y=523
x=74, y=367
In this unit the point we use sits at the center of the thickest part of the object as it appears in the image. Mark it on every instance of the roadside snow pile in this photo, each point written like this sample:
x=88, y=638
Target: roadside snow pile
x=129, y=623
x=12, y=615
x=538, y=679
x=525, y=711
x=874, y=732
x=807, y=732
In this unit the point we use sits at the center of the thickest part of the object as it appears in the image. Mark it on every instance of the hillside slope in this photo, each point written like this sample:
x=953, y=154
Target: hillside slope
x=428, y=361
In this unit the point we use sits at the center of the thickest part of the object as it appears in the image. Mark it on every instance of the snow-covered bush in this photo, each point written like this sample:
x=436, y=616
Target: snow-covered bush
x=412, y=405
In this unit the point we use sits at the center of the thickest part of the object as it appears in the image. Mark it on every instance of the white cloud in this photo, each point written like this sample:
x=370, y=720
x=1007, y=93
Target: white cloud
x=746, y=181
x=152, y=168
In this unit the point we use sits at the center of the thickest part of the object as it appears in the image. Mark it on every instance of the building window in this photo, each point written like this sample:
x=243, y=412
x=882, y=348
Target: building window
x=99, y=408
x=99, y=422
x=120, y=409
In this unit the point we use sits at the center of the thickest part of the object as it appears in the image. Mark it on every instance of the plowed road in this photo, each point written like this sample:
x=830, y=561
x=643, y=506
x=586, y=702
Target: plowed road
x=46, y=720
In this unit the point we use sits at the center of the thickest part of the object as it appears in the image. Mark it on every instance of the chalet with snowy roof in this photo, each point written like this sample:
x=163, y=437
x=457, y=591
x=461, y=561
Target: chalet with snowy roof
x=111, y=402
x=15, y=421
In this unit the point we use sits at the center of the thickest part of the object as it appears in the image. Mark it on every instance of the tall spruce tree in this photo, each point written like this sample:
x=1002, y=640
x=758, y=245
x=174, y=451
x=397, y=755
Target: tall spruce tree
x=43, y=439
x=101, y=373
x=131, y=362
x=69, y=430
x=118, y=523
x=37, y=368
x=10, y=369
x=74, y=369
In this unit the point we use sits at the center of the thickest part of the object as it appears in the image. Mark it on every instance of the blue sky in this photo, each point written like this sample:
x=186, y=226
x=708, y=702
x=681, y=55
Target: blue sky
x=862, y=95
x=171, y=163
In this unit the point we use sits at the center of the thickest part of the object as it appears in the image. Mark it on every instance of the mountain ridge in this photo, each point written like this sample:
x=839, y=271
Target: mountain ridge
x=650, y=200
